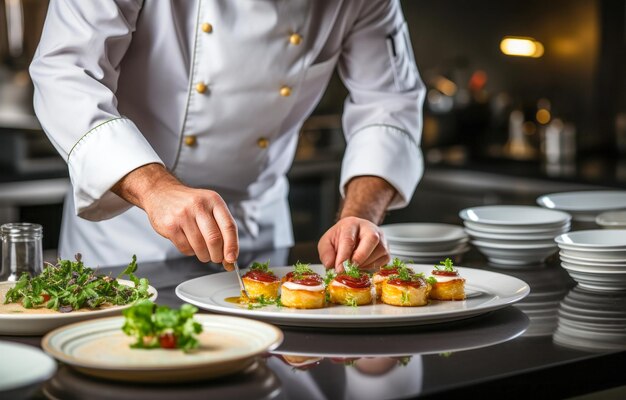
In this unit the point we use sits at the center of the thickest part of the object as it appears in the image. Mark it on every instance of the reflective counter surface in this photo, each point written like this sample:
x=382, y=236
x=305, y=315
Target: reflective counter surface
x=558, y=342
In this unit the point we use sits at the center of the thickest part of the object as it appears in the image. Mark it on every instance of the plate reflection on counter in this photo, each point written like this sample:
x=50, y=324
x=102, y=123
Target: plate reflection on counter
x=258, y=381
x=592, y=321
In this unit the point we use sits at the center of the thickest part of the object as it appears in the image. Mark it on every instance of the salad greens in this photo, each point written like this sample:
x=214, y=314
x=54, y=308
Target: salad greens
x=351, y=269
x=160, y=326
x=445, y=265
x=262, y=267
x=70, y=285
x=300, y=269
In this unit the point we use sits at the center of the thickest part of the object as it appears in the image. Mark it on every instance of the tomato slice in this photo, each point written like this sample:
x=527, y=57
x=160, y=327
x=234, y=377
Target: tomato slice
x=167, y=341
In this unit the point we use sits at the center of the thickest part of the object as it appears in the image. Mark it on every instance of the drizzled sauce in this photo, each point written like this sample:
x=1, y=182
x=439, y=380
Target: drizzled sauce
x=362, y=282
x=445, y=273
x=306, y=279
x=260, y=276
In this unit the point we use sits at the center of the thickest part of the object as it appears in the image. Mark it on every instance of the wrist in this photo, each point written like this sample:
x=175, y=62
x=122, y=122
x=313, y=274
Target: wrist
x=367, y=197
x=139, y=186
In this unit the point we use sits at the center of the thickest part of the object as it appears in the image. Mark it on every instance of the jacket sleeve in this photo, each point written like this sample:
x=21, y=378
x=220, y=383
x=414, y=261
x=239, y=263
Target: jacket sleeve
x=75, y=73
x=382, y=118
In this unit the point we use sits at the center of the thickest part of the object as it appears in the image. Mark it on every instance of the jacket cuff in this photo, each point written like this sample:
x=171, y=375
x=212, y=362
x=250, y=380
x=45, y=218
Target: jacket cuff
x=102, y=157
x=386, y=152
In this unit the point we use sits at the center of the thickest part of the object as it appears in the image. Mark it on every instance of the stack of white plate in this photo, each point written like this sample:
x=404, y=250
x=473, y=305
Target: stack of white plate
x=592, y=320
x=426, y=242
x=584, y=206
x=612, y=219
x=595, y=258
x=510, y=235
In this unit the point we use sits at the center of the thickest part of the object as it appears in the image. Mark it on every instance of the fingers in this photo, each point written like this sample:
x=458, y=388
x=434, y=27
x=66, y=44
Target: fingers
x=380, y=256
x=369, y=241
x=228, y=229
x=211, y=236
x=182, y=244
x=228, y=266
x=326, y=250
x=197, y=242
x=346, y=243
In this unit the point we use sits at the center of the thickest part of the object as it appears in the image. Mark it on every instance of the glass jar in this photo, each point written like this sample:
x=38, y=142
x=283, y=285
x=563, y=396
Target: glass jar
x=21, y=250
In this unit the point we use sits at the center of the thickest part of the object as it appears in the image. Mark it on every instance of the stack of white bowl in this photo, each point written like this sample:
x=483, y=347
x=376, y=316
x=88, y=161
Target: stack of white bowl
x=584, y=206
x=426, y=242
x=515, y=235
x=595, y=258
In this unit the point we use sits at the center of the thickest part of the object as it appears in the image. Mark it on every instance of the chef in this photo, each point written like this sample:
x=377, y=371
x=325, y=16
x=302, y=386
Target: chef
x=179, y=120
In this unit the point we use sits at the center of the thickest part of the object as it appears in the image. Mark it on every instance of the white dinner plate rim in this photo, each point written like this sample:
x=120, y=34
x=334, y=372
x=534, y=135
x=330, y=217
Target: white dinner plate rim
x=457, y=230
x=300, y=318
x=576, y=239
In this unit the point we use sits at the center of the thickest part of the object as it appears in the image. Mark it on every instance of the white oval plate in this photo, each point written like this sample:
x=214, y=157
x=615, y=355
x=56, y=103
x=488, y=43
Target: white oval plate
x=486, y=290
x=594, y=238
x=100, y=348
x=584, y=201
x=519, y=216
x=16, y=320
x=23, y=369
x=423, y=233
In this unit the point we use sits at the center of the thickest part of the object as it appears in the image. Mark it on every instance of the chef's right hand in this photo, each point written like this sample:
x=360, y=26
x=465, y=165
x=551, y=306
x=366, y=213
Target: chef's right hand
x=197, y=221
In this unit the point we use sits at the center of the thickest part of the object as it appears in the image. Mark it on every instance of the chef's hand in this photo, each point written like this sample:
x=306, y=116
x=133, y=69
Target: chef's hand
x=197, y=221
x=356, y=236
x=354, y=239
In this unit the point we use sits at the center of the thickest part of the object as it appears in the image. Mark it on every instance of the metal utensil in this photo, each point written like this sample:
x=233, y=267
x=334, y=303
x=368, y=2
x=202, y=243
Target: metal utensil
x=236, y=270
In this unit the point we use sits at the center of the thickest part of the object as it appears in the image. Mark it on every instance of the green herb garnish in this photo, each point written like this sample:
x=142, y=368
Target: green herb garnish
x=352, y=270
x=351, y=301
x=70, y=285
x=431, y=279
x=396, y=263
x=300, y=269
x=404, y=297
x=162, y=327
x=446, y=265
x=262, y=267
x=263, y=302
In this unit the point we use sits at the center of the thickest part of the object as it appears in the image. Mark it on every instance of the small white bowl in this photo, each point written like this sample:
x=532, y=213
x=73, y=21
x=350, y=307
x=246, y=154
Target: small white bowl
x=589, y=259
x=423, y=233
x=517, y=230
x=601, y=239
x=513, y=257
x=584, y=202
x=519, y=216
x=612, y=219
x=517, y=237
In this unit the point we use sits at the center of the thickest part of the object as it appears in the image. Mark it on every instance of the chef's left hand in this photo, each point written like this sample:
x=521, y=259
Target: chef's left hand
x=355, y=239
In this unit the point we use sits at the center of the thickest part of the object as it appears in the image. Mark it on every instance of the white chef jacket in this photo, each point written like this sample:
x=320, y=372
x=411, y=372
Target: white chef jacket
x=216, y=91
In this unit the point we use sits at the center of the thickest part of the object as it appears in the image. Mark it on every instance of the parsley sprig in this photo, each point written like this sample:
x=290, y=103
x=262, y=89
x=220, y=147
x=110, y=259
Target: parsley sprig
x=70, y=285
x=300, y=269
x=262, y=267
x=352, y=270
x=395, y=263
x=445, y=265
x=261, y=302
x=161, y=326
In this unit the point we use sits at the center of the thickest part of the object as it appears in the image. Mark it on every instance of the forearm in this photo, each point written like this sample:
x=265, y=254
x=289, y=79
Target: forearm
x=367, y=197
x=138, y=185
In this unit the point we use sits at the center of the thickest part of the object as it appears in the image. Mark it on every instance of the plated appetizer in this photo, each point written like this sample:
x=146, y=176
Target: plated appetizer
x=303, y=288
x=161, y=327
x=406, y=289
x=261, y=282
x=384, y=273
x=70, y=285
x=447, y=283
x=352, y=287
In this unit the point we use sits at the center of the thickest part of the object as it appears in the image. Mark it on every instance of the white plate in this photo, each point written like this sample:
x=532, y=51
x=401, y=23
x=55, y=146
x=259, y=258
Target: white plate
x=16, y=320
x=516, y=230
x=612, y=219
x=599, y=255
x=100, y=348
x=607, y=265
x=515, y=246
x=604, y=239
x=519, y=216
x=597, y=282
x=22, y=369
x=584, y=201
x=423, y=233
x=521, y=237
x=427, y=247
x=516, y=257
x=610, y=273
x=589, y=257
x=486, y=291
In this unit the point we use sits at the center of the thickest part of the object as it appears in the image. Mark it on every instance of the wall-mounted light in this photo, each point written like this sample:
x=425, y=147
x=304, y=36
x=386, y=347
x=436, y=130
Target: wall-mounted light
x=521, y=46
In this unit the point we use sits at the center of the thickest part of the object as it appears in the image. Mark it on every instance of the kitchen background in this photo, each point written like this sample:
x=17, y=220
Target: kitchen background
x=498, y=127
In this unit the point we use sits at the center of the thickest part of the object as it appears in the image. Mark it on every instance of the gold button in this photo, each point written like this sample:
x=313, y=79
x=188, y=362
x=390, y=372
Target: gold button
x=190, y=140
x=206, y=27
x=285, y=91
x=295, y=39
x=201, y=87
x=263, y=142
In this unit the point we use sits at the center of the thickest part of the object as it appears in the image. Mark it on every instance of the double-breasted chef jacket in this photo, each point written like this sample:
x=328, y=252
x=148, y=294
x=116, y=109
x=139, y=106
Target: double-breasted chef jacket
x=216, y=91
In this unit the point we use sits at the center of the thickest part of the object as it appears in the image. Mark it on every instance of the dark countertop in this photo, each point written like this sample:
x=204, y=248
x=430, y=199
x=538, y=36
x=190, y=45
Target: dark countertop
x=509, y=353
